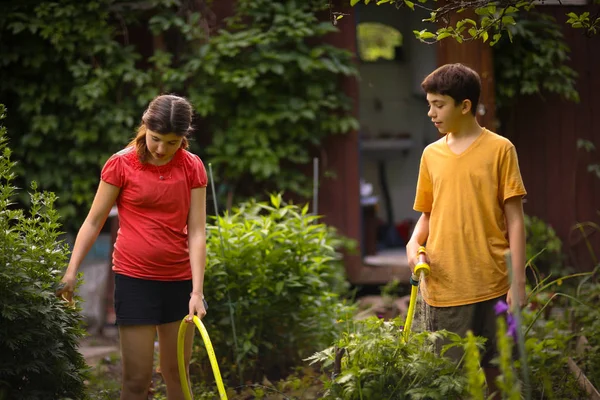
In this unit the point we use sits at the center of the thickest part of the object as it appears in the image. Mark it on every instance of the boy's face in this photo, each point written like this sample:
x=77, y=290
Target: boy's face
x=445, y=114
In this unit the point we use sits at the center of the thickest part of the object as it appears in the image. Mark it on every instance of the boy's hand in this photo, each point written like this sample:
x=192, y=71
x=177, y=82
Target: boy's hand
x=411, y=254
x=516, y=295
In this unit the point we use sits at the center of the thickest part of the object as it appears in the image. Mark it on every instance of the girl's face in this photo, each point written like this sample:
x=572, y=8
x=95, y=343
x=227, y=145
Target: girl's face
x=162, y=147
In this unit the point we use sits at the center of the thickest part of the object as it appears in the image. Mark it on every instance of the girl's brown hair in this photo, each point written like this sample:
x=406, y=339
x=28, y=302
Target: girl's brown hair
x=165, y=114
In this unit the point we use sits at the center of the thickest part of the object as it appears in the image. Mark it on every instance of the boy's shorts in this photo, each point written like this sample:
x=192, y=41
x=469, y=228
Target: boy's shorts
x=480, y=318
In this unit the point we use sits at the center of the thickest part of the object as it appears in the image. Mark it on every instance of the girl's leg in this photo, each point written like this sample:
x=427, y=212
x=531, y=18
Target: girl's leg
x=167, y=338
x=137, y=356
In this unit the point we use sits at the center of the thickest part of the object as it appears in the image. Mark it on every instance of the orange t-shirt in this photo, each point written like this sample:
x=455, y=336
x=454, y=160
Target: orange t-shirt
x=468, y=239
x=152, y=241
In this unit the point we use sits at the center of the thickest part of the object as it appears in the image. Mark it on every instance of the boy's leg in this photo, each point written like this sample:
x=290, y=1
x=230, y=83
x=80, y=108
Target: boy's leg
x=456, y=319
x=486, y=317
x=480, y=318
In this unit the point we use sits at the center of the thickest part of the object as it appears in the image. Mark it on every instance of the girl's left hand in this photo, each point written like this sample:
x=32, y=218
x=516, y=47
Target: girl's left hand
x=196, y=307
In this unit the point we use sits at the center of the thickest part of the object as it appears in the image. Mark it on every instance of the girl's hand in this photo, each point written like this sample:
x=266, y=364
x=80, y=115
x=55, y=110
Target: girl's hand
x=66, y=288
x=196, y=307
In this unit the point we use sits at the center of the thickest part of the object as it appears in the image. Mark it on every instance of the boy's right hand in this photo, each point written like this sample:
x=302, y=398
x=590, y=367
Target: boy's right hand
x=411, y=254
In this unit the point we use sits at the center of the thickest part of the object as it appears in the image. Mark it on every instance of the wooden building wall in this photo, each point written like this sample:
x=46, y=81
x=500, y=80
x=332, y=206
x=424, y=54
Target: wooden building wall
x=476, y=55
x=545, y=132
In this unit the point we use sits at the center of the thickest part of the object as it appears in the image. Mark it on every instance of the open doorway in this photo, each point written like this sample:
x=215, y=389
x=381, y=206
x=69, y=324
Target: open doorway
x=394, y=127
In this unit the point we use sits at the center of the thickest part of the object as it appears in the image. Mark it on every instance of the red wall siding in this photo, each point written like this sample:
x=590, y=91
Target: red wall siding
x=477, y=55
x=545, y=133
x=339, y=197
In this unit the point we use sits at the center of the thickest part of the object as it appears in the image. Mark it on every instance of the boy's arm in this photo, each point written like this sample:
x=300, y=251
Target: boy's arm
x=418, y=238
x=513, y=209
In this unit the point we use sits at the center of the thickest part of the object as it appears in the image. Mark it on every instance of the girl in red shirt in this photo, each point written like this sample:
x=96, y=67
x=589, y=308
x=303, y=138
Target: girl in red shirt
x=160, y=253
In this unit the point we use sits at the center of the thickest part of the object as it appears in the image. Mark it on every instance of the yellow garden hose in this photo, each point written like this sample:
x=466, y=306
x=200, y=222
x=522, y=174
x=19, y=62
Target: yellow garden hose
x=211, y=355
x=421, y=269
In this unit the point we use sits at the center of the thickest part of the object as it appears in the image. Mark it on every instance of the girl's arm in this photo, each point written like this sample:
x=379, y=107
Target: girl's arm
x=105, y=198
x=197, y=249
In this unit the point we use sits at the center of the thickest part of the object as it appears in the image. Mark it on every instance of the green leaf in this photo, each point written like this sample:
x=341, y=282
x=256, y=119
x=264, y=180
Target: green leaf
x=443, y=35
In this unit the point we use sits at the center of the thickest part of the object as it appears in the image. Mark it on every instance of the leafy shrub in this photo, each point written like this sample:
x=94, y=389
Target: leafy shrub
x=271, y=93
x=543, y=246
x=548, y=346
x=267, y=85
x=38, y=332
x=533, y=59
x=284, y=277
x=379, y=365
x=587, y=320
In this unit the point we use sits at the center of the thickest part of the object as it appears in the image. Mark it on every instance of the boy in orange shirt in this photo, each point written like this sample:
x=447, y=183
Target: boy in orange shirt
x=470, y=194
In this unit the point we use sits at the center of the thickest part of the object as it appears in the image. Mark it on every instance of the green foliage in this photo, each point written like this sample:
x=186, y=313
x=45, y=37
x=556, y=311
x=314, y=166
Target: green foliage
x=508, y=382
x=548, y=346
x=543, y=248
x=589, y=147
x=473, y=370
x=379, y=364
x=73, y=92
x=38, y=333
x=494, y=18
x=282, y=271
x=590, y=24
x=587, y=320
x=271, y=93
x=78, y=75
x=533, y=61
x=376, y=40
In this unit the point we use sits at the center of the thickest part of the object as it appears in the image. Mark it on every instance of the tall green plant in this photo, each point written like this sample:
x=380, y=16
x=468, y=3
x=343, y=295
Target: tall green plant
x=39, y=334
x=283, y=274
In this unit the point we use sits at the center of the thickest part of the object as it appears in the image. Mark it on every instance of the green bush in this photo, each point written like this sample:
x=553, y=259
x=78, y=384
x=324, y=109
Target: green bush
x=379, y=365
x=587, y=320
x=543, y=246
x=533, y=60
x=38, y=332
x=271, y=93
x=285, y=278
x=81, y=74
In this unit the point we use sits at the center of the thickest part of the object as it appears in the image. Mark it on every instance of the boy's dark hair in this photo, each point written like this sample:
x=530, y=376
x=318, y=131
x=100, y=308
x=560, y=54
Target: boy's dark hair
x=457, y=81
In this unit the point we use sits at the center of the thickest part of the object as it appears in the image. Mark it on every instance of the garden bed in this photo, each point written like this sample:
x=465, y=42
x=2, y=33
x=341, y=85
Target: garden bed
x=582, y=347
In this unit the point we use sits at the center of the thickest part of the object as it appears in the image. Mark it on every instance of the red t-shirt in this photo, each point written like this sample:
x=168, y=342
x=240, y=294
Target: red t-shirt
x=153, y=205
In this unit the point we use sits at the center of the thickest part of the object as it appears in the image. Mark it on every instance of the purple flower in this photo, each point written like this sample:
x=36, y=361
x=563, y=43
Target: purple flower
x=501, y=307
x=511, y=328
x=511, y=324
